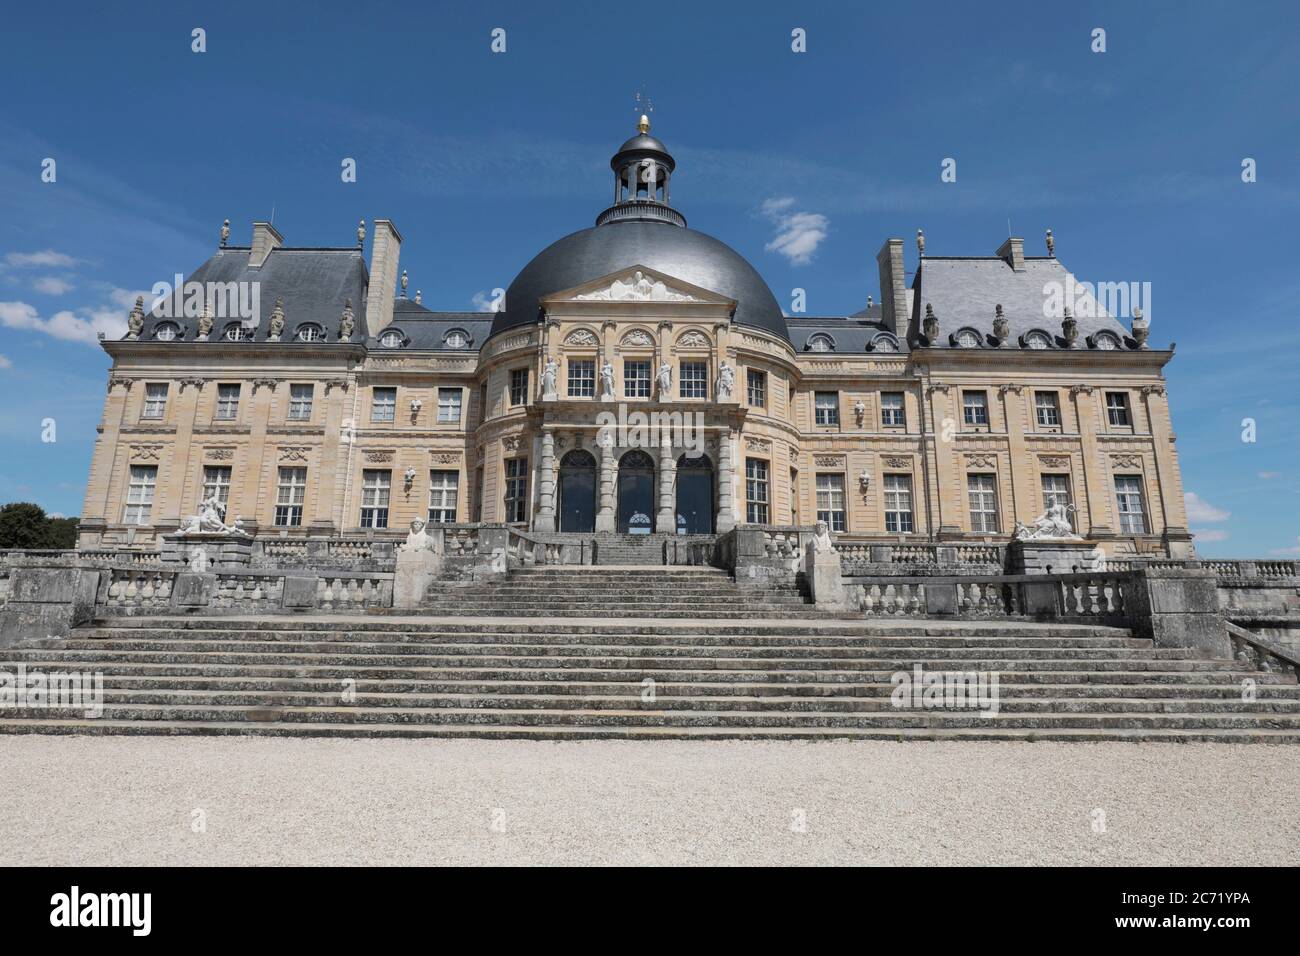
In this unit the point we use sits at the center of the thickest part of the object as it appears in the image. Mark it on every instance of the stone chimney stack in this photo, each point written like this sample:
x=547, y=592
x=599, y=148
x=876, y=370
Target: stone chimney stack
x=385, y=249
x=893, y=287
x=265, y=238
x=1013, y=251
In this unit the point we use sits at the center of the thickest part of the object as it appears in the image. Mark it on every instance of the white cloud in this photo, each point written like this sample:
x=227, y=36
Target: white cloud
x=1268, y=475
x=1199, y=510
x=493, y=301
x=48, y=259
x=1286, y=552
x=66, y=324
x=1205, y=535
x=798, y=233
x=5, y=363
x=51, y=285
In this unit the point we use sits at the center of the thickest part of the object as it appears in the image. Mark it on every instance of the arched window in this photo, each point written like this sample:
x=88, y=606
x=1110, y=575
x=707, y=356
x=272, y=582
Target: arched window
x=392, y=339
x=1105, y=341
x=456, y=339
x=967, y=339
x=310, y=332
x=166, y=331
x=1037, y=340
x=885, y=342
x=821, y=342
x=237, y=332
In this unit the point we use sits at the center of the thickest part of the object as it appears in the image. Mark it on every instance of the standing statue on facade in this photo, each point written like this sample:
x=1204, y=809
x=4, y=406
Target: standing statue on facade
x=607, y=382
x=1052, y=523
x=665, y=377
x=726, y=381
x=549, y=373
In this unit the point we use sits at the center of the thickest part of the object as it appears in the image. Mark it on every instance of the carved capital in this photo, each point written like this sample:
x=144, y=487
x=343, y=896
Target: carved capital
x=1153, y=389
x=1010, y=387
x=937, y=387
x=332, y=383
x=1081, y=389
x=270, y=383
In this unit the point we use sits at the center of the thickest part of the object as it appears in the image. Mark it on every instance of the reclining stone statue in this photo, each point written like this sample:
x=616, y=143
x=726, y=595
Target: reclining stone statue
x=211, y=519
x=1054, y=523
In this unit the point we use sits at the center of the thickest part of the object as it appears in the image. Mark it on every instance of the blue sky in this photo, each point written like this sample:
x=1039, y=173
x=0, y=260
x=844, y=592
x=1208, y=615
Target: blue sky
x=1133, y=157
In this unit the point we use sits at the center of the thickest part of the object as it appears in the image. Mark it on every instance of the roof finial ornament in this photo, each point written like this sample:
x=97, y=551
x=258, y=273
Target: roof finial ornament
x=870, y=302
x=225, y=233
x=404, y=281
x=920, y=242
x=346, y=322
x=644, y=107
x=361, y=234
x=931, y=327
x=418, y=297
x=1051, y=244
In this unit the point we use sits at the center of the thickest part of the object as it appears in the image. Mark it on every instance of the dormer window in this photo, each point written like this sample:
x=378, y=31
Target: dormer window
x=1105, y=341
x=1037, y=340
x=392, y=339
x=967, y=339
x=166, y=331
x=820, y=343
x=310, y=332
x=456, y=339
x=884, y=343
x=237, y=332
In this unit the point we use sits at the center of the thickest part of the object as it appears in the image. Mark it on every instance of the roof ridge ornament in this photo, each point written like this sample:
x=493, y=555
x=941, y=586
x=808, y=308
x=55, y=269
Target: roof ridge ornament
x=225, y=233
x=1051, y=244
x=920, y=243
x=361, y=234
x=404, y=281
x=346, y=322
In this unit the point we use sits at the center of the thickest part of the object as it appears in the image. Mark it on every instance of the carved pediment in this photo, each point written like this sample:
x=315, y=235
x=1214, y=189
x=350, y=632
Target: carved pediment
x=638, y=284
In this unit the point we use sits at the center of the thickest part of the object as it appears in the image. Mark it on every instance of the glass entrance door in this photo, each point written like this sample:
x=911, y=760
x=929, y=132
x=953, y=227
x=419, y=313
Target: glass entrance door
x=636, y=490
x=694, y=495
x=577, y=490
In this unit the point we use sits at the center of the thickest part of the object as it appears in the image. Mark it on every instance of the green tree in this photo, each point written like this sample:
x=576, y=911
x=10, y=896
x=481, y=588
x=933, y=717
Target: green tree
x=25, y=525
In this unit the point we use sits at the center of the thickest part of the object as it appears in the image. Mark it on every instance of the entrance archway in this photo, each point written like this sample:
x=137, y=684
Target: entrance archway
x=577, y=504
x=636, y=493
x=694, y=495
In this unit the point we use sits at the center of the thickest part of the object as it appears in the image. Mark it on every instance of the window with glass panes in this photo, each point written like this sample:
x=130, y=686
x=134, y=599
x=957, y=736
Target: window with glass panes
x=383, y=404
x=756, y=491
x=227, y=401
x=300, y=399
x=216, y=481
x=519, y=386
x=290, y=494
x=898, y=503
x=1047, y=408
x=449, y=400
x=516, y=489
x=1056, y=491
x=376, y=485
x=826, y=408
x=155, y=400
x=756, y=388
x=982, y=493
x=582, y=378
x=444, y=487
x=1117, y=409
x=891, y=409
x=636, y=379
x=1128, y=493
x=139, y=494
x=975, y=408
x=830, y=500
x=694, y=380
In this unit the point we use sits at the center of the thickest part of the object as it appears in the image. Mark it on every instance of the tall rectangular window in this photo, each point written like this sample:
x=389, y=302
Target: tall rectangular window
x=982, y=492
x=300, y=399
x=1132, y=516
x=891, y=409
x=757, y=489
x=830, y=500
x=636, y=379
x=139, y=494
x=375, y=487
x=582, y=378
x=383, y=404
x=898, y=503
x=516, y=489
x=449, y=400
x=1117, y=409
x=975, y=408
x=444, y=488
x=216, y=481
x=826, y=408
x=794, y=495
x=695, y=380
x=290, y=493
x=756, y=388
x=155, y=400
x=1056, y=491
x=228, y=401
x=1047, y=409
x=518, y=386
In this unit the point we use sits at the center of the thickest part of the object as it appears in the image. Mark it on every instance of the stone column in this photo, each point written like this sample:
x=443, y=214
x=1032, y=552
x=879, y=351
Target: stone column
x=726, y=492
x=666, y=521
x=544, y=520
x=605, y=517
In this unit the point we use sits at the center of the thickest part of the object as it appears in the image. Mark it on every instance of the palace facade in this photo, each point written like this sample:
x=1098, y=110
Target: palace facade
x=949, y=410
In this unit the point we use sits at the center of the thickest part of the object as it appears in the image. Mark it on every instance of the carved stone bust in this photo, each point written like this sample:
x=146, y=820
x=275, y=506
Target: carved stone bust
x=821, y=542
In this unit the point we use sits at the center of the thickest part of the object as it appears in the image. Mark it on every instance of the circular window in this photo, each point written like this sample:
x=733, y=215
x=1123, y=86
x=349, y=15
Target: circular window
x=1037, y=340
x=166, y=331
x=456, y=339
x=884, y=343
x=1105, y=341
x=311, y=332
x=391, y=339
x=968, y=339
x=238, y=333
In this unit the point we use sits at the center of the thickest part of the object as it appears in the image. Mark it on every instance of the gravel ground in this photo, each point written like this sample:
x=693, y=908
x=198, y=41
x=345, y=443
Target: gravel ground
x=131, y=801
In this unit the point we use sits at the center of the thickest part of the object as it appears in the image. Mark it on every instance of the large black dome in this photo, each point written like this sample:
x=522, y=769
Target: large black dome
x=663, y=246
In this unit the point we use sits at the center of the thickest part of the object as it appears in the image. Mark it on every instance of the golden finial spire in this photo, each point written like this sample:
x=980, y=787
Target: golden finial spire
x=645, y=108
x=644, y=125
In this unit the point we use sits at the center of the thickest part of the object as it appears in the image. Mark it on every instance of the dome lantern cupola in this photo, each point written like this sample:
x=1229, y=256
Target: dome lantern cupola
x=642, y=170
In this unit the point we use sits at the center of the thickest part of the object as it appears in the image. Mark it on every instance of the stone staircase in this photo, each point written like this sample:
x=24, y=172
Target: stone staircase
x=653, y=677
x=603, y=592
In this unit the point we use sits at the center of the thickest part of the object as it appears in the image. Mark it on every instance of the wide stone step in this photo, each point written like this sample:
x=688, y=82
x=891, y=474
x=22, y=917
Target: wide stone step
x=949, y=719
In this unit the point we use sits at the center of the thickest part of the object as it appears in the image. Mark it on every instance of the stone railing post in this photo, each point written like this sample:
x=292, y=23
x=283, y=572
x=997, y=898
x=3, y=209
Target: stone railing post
x=1179, y=607
x=544, y=520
